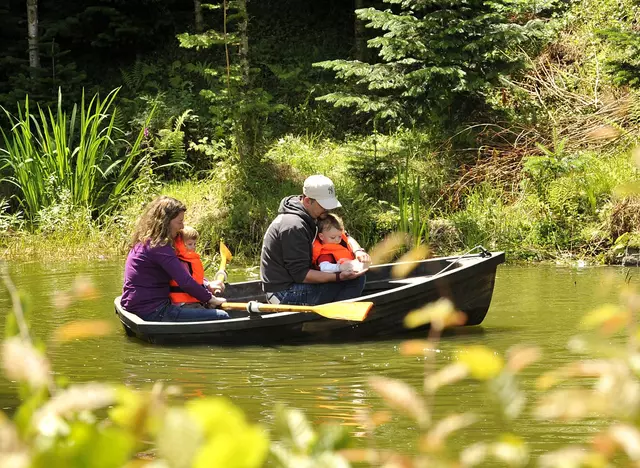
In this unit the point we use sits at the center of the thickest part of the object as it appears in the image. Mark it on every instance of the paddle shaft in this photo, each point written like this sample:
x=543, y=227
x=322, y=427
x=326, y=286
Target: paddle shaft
x=225, y=256
x=259, y=307
x=220, y=275
x=354, y=311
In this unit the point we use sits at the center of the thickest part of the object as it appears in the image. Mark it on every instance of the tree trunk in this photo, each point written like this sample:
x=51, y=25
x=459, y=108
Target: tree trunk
x=32, y=21
x=199, y=19
x=243, y=52
x=360, y=44
x=249, y=125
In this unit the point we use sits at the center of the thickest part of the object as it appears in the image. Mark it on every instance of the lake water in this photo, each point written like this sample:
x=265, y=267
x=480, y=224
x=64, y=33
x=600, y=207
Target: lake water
x=539, y=305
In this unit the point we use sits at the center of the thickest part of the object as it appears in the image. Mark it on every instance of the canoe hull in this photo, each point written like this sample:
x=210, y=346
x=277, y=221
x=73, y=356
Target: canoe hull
x=468, y=282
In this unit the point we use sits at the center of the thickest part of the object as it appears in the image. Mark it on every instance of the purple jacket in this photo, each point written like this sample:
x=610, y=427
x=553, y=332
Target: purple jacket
x=147, y=273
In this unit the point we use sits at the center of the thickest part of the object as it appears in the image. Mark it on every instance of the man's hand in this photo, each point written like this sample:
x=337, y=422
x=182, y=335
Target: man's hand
x=346, y=266
x=349, y=275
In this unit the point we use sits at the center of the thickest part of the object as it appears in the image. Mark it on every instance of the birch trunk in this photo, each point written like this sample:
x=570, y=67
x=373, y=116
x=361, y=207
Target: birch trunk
x=248, y=121
x=243, y=52
x=32, y=22
x=360, y=46
x=199, y=19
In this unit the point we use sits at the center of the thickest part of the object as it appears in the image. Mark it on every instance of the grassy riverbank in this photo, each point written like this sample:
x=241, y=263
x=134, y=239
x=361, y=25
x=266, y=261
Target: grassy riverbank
x=575, y=214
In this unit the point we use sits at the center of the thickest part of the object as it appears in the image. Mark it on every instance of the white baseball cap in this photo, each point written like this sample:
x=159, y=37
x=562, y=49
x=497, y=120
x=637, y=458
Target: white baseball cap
x=322, y=190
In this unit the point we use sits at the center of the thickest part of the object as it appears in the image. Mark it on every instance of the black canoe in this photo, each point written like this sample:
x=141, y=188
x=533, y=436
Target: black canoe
x=467, y=280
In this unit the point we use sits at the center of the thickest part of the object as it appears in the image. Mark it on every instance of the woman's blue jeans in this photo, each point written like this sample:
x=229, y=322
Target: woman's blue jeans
x=321, y=293
x=169, y=312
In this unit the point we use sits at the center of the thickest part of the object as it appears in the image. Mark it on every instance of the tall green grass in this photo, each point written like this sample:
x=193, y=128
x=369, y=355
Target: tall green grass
x=412, y=220
x=82, y=153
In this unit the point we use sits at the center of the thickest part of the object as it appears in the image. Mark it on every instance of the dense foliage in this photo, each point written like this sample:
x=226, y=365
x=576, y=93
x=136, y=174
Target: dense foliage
x=506, y=123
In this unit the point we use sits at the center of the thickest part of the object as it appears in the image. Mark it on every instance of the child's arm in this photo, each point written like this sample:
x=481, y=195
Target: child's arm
x=329, y=267
x=359, y=252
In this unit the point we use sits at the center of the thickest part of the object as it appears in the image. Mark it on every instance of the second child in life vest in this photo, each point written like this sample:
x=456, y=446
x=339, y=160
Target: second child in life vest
x=193, y=264
x=332, y=253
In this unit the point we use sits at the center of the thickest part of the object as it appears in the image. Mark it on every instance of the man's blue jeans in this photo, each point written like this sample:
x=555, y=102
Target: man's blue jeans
x=169, y=312
x=321, y=293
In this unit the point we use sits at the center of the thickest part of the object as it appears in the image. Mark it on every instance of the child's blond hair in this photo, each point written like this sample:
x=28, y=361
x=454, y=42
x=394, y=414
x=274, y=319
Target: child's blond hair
x=330, y=221
x=189, y=233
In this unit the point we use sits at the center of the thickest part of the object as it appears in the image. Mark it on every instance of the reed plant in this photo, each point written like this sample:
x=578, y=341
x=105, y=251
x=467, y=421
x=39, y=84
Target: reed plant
x=410, y=208
x=82, y=153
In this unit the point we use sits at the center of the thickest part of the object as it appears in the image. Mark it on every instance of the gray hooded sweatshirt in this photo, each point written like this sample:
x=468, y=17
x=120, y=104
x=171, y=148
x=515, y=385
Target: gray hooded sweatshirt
x=287, y=246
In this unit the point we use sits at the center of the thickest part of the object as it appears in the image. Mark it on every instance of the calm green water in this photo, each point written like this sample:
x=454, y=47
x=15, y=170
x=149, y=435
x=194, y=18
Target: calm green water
x=533, y=304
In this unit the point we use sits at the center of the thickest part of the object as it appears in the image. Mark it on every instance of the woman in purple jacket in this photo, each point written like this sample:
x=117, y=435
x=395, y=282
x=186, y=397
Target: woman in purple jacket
x=152, y=262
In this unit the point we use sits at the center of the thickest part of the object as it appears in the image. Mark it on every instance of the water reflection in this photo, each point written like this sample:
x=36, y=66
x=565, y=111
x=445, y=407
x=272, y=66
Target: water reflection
x=532, y=305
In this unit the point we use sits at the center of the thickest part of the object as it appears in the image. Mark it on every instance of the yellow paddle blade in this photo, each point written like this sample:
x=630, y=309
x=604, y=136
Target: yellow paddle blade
x=354, y=311
x=225, y=256
x=225, y=252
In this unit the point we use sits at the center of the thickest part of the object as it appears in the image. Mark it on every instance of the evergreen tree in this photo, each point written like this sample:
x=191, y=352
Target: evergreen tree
x=624, y=65
x=438, y=57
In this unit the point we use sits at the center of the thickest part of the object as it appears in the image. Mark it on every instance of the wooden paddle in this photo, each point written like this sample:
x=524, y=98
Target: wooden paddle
x=354, y=311
x=225, y=256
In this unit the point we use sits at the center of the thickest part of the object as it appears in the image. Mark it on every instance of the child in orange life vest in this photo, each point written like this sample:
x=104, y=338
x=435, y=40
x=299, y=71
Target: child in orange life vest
x=185, y=245
x=331, y=249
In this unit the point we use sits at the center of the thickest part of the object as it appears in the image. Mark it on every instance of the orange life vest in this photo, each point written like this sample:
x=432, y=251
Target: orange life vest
x=341, y=251
x=194, y=266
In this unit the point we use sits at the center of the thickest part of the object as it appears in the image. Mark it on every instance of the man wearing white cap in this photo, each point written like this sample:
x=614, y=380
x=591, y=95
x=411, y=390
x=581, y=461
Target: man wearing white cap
x=285, y=262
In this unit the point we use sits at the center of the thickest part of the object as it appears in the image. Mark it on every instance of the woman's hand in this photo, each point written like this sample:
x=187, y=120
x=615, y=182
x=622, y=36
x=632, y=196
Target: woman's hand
x=215, y=301
x=216, y=287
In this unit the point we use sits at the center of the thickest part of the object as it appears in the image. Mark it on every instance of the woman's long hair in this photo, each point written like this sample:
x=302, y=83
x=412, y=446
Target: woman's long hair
x=153, y=225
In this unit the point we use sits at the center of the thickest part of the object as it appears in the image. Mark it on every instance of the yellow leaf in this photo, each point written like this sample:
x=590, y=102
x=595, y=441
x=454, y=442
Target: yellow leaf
x=604, y=132
x=179, y=438
x=482, y=362
x=636, y=155
x=24, y=363
x=519, y=357
x=380, y=417
x=573, y=456
x=81, y=329
x=630, y=188
x=474, y=454
x=246, y=449
x=217, y=415
x=386, y=250
x=547, y=380
x=628, y=437
x=75, y=399
x=436, y=437
x=445, y=376
x=61, y=300
x=407, y=262
x=599, y=316
x=135, y=411
x=401, y=396
x=416, y=347
x=571, y=404
x=84, y=289
x=511, y=450
x=439, y=314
